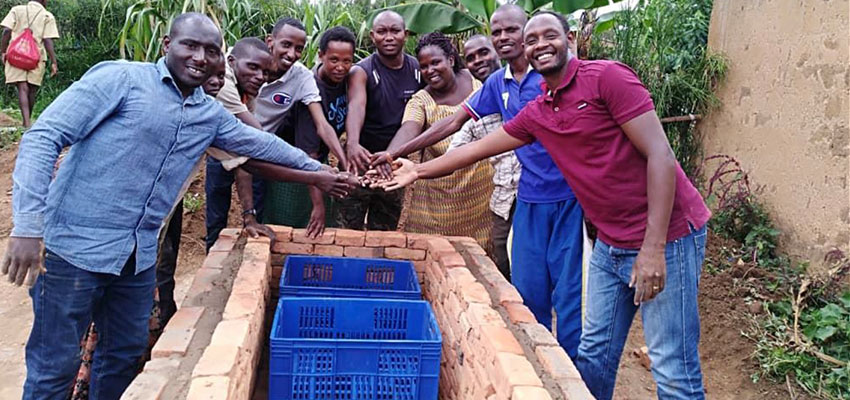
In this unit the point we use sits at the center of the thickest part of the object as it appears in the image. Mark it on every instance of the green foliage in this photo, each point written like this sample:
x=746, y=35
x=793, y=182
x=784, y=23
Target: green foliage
x=664, y=41
x=192, y=202
x=570, y=6
x=424, y=17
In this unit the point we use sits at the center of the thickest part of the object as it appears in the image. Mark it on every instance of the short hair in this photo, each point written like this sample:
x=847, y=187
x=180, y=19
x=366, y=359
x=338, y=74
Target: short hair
x=241, y=46
x=510, y=7
x=293, y=22
x=337, y=34
x=442, y=42
x=563, y=20
x=185, y=18
x=478, y=36
x=389, y=12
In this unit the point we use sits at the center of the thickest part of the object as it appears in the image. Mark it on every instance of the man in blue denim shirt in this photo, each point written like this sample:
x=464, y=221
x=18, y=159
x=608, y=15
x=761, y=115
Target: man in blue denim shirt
x=135, y=131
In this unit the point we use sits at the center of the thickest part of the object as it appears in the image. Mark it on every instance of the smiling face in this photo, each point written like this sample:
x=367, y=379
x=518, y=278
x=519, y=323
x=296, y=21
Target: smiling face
x=546, y=45
x=191, y=52
x=506, y=33
x=388, y=34
x=215, y=82
x=480, y=57
x=336, y=61
x=286, y=47
x=436, y=67
x=251, y=69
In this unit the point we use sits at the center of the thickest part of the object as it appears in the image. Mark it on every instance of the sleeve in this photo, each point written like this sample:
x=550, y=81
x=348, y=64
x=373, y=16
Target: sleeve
x=306, y=136
x=415, y=109
x=486, y=100
x=464, y=136
x=236, y=137
x=229, y=97
x=623, y=93
x=50, y=29
x=10, y=19
x=228, y=161
x=309, y=89
x=67, y=120
x=522, y=126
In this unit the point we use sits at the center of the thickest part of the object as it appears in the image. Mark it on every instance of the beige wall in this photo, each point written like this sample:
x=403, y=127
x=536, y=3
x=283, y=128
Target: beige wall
x=785, y=113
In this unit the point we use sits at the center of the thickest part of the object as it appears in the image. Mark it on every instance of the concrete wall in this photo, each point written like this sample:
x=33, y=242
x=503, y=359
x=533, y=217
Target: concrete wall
x=785, y=113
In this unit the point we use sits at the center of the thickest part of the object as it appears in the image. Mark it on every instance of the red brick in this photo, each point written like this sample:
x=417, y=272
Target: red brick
x=276, y=273
x=474, y=249
x=282, y=233
x=451, y=260
x=300, y=236
x=475, y=293
x=500, y=339
x=482, y=315
x=185, y=318
x=242, y=305
x=328, y=250
x=146, y=386
x=173, y=342
x=514, y=370
x=215, y=260
x=277, y=259
x=202, y=286
x=506, y=293
x=438, y=245
x=400, y=253
x=434, y=272
x=217, y=360
x=518, y=312
x=418, y=241
x=224, y=243
x=256, y=251
x=530, y=393
x=418, y=266
x=556, y=362
x=574, y=389
x=364, y=252
x=538, y=335
x=261, y=240
x=385, y=239
x=348, y=237
x=458, y=278
x=485, y=264
x=231, y=333
x=209, y=388
x=292, y=248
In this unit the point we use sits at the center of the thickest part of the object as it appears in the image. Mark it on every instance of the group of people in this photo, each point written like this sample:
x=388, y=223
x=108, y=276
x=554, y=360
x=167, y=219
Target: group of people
x=531, y=148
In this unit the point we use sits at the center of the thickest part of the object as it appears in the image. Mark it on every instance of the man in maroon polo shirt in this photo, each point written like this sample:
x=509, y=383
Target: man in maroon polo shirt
x=598, y=122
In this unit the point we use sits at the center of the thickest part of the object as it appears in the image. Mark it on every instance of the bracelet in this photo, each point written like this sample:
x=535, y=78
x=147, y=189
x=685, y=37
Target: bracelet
x=252, y=211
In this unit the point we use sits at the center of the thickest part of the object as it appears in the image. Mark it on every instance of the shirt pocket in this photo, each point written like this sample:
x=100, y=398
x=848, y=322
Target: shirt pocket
x=573, y=116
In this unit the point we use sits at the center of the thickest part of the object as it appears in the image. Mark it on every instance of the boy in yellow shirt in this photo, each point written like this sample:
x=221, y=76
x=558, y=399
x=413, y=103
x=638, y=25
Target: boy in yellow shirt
x=32, y=15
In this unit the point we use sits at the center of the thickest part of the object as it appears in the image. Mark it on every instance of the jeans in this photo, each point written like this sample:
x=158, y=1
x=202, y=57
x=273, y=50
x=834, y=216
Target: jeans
x=218, y=189
x=546, y=251
x=65, y=300
x=166, y=265
x=670, y=320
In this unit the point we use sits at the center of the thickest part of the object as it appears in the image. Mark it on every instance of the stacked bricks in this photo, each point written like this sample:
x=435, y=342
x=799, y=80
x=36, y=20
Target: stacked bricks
x=493, y=349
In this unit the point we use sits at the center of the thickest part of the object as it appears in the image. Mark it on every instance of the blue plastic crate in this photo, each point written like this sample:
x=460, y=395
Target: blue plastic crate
x=359, y=349
x=306, y=276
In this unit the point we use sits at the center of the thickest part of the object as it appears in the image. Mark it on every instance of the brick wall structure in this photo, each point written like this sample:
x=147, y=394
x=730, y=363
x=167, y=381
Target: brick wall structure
x=493, y=349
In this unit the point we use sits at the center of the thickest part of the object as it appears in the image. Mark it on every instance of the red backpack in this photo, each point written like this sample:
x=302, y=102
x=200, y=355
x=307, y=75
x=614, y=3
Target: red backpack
x=23, y=52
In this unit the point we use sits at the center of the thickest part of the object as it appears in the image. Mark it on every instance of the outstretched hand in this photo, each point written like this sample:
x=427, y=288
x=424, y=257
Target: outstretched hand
x=335, y=183
x=403, y=174
x=381, y=162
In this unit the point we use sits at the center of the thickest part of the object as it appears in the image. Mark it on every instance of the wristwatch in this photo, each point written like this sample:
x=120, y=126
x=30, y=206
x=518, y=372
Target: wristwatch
x=252, y=211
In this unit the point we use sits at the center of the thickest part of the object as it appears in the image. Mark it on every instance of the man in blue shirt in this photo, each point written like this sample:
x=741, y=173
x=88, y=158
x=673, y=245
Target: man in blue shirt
x=548, y=221
x=135, y=130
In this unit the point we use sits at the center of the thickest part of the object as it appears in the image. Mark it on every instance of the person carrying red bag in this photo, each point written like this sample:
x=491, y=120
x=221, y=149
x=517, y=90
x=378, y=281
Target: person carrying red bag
x=42, y=25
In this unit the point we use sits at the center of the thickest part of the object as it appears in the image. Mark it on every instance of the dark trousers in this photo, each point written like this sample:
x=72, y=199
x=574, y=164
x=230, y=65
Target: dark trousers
x=218, y=189
x=382, y=209
x=499, y=234
x=166, y=265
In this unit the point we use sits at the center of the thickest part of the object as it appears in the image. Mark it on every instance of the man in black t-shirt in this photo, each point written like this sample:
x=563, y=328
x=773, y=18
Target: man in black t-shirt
x=336, y=57
x=379, y=87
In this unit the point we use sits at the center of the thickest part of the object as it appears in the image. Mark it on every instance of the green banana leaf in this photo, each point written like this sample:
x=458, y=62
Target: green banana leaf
x=570, y=6
x=431, y=16
x=481, y=8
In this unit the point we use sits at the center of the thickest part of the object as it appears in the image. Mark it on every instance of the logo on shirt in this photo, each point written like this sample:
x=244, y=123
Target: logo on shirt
x=282, y=99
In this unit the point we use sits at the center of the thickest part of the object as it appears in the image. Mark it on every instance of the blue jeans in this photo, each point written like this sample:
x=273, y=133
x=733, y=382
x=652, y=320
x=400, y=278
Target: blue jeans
x=217, y=187
x=546, y=265
x=65, y=300
x=670, y=320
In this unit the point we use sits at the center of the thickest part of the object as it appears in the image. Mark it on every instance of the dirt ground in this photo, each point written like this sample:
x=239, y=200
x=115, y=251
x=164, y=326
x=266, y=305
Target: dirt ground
x=725, y=352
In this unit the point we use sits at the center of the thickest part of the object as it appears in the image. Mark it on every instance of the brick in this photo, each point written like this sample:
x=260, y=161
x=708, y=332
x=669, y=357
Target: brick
x=530, y=393
x=223, y=243
x=215, y=260
x=475, y=293
x=499, y=339
x=474, y=249
x=252, y=276
x=260, y=239
x=231, y=333
x=556, y=362
x=518, y=313
x=173, y=342
x=438, y=246
x=418, y=241
x=202, y=285
x=506, y=293
x=146, y=386
x=282, y=233
x=434, y=272
x=276, y=273
x=328, y=250
x=385, y=239
x=364, y=252
x=348, y=237
x=458, y=278
x=185, y=318
x=300, y=236
x=292, y=248
x=217, y=360
x=514, y=370
x=418, y=266
x=161, y=365
x=451, y=260
x=538, y=335
x=400, y=253
x=256, y=251
x=232, y=233
x=243, y=305
x=209, y=388
x=277, y=259
x=574, y=389
x=482, y=315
